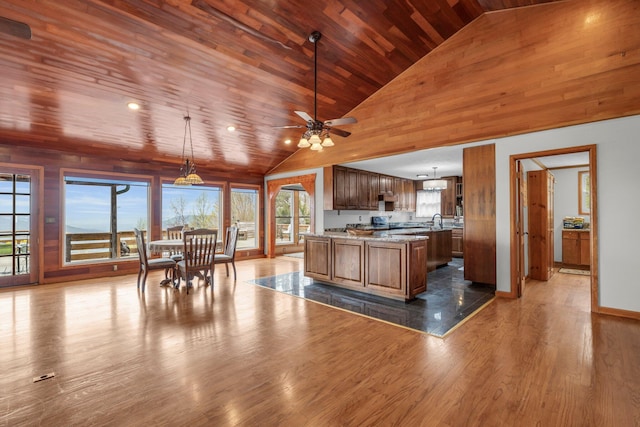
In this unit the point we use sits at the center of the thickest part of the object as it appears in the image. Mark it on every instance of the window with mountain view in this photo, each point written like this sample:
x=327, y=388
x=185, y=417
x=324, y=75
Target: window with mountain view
x=100, y=215
x=197, y=206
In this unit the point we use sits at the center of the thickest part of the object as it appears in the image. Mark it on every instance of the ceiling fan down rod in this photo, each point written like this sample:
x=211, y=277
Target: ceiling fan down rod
x=313, y=38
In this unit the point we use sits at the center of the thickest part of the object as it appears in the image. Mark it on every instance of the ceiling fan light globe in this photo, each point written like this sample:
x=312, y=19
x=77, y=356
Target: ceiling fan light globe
x=315, y=139
x=316, y=146
x=327, y=142
x=303, y=143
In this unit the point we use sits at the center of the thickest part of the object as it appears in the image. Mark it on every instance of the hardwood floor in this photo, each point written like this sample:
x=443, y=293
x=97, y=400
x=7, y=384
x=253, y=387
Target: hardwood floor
x=246, y=355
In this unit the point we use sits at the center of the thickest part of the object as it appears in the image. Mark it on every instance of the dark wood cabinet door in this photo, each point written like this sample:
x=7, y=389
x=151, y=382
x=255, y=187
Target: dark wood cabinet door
x=448, y=197
x=340, y=190
x=317, y=260
x=364, y=195
x=348, y=262
x=374, y=190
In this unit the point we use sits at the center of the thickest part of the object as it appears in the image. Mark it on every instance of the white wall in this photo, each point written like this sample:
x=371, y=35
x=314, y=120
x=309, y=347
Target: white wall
x=618, y=152
x=565, y=203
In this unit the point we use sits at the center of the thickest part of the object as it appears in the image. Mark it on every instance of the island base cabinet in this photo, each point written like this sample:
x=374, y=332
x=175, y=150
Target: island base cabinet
x=317, y=259
x=390, y=269
x=385, y=267
x=396, y=270
x=347, y=260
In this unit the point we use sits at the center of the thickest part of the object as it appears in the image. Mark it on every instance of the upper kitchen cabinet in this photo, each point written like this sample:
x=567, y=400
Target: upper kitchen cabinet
x=368, y=190
x=404, y=190
x=340, y=188
x=386, y=184
x=354, y=189
x=449, y=197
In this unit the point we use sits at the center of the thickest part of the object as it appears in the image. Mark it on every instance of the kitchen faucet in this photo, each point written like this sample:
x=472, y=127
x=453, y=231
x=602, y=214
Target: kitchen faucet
x=433, y=219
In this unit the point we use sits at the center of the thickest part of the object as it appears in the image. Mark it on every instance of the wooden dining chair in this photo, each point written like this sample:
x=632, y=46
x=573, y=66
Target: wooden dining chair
x=198, y=251
x=146, y=264
x=175, y=233
x=229, y=254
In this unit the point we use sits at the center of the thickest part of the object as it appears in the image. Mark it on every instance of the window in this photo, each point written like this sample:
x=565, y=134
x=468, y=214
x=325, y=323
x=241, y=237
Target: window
x=304, y=213
x=244, y=213
x=427, y=204
x=99, y=217
x=198, y=206
x=293, y=215
x=284, y=224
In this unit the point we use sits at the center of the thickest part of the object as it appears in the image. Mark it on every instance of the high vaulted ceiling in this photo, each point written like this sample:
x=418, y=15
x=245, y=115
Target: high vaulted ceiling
x=243, y=63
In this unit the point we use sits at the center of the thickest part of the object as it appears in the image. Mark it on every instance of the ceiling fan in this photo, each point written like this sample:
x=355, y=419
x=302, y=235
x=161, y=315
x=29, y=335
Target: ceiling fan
x=15, y=28
x=316, y=128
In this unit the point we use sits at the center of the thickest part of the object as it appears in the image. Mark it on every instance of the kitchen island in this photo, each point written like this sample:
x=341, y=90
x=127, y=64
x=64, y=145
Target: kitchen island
x=389, y=265
x=439, y=245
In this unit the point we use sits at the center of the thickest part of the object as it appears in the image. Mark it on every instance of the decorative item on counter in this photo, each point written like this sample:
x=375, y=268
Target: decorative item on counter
x=359, y=232
x=574, y=222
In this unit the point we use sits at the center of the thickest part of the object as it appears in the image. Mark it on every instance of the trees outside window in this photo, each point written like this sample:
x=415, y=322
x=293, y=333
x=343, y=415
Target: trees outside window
x=245, y=215
x=195, y=206
x=293, y=216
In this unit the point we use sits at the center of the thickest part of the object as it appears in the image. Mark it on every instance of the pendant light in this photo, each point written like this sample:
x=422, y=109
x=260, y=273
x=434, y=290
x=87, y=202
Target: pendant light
x=188, y=175
x=434, y=184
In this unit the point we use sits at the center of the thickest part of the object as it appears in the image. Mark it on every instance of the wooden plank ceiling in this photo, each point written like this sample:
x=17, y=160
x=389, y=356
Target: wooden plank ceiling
x=243, y=63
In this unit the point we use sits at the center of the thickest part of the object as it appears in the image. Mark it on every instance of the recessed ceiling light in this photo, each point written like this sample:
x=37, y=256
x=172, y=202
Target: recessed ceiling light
x=231, y=128
x=287, y=141
x=422, y=175
x=133, y=105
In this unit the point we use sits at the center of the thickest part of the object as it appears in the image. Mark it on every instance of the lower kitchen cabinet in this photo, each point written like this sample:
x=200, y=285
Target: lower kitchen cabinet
x=456, y=242
x=347, y=258
x=317, y=260
x=576, y=247
x=394, y=269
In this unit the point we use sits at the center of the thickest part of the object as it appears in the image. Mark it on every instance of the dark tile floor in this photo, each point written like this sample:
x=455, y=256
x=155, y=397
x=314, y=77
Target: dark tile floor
x=449, y=299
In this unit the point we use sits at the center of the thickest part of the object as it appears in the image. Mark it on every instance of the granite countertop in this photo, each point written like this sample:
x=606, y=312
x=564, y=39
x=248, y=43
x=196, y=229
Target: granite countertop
x=384, y=236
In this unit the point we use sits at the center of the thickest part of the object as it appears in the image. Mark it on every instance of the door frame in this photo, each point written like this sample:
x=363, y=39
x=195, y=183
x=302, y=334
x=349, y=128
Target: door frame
x=36, y=271
x=308, y=182
x=593, y=235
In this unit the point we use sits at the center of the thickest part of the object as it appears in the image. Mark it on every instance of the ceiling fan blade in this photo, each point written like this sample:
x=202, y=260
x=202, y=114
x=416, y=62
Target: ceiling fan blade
x=342, y=121
x=290, y=127
x=15, y=28
x=305, y=116
x=340, y=132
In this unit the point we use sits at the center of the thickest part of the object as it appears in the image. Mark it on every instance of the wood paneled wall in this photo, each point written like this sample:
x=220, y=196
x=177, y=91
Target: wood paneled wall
x=54, y=162
x=508, y=72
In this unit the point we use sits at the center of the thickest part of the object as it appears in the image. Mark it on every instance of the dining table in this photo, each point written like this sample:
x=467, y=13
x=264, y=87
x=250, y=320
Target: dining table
x=167, y=245
x=158, y=247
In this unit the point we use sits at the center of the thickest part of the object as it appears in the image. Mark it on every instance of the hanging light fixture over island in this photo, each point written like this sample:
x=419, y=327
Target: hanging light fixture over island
x=434, y=184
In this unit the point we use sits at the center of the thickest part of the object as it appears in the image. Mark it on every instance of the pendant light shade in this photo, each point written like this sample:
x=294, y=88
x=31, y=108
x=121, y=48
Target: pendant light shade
x=434, y=184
